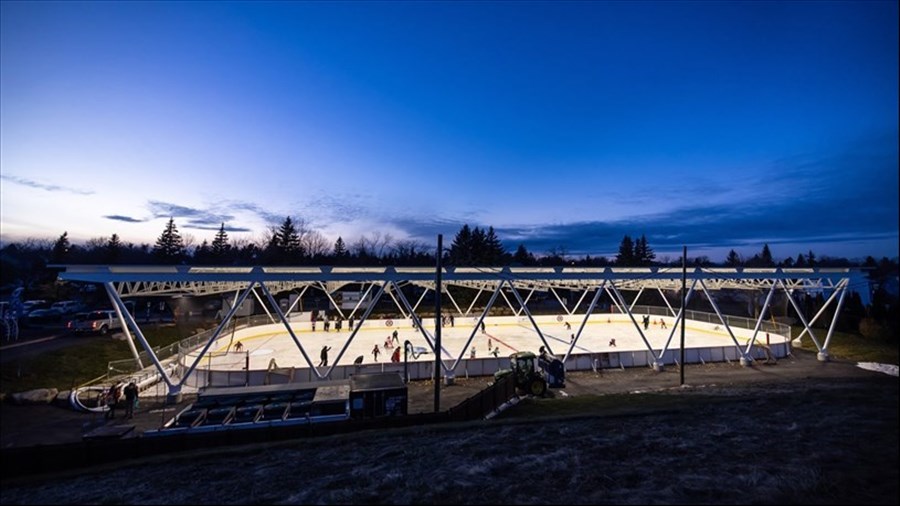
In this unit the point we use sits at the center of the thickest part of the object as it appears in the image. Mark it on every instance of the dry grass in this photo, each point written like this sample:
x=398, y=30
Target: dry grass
x=813, y=441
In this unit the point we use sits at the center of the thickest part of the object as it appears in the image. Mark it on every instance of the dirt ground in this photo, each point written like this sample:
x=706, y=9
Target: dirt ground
x=799, y=432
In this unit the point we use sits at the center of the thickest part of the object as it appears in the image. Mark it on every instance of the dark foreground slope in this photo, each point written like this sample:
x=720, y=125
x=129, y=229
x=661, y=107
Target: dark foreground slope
x=828, y=438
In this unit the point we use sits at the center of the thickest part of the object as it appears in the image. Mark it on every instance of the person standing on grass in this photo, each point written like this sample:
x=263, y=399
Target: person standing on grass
x=112, y=400
x=131, y=396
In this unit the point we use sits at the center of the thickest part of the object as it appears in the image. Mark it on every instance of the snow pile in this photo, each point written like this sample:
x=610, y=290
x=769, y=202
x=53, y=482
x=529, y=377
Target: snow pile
x=874, y=366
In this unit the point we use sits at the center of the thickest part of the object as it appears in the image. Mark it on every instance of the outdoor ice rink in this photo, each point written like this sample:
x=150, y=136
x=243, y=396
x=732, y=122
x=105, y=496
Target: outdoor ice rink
x=507, y=335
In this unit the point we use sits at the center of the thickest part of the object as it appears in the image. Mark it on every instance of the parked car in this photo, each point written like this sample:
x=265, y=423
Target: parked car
x=100, y=321
x=30, y=305
x=43, y=315
x=67, y=306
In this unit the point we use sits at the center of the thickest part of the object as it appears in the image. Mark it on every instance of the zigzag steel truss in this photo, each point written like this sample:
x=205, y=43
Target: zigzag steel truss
x=121, y=281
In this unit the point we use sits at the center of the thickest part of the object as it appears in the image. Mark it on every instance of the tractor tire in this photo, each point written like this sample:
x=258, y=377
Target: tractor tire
x=537, y=387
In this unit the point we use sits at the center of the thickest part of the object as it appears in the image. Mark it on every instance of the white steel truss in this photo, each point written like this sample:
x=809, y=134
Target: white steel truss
x=131, y=281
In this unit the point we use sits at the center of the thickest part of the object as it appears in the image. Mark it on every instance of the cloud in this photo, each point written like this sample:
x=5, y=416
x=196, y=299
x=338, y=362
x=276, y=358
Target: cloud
x=196, y=218
x=847, y=196
x=267, y=216
x=43, y=186
x=127, y=219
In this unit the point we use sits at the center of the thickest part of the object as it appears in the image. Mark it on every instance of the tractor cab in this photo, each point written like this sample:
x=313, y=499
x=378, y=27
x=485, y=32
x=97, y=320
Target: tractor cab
x=527, y=376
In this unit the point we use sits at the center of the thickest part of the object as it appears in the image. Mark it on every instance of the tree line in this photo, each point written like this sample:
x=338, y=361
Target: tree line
x=293, y=242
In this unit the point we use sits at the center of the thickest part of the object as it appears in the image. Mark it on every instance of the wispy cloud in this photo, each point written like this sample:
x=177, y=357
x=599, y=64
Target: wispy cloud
x=127, y=219
x=44, y=186
x=202, y=219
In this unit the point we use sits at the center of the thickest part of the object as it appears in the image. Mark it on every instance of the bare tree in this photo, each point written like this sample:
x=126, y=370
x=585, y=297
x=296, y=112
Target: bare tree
x=315, y=244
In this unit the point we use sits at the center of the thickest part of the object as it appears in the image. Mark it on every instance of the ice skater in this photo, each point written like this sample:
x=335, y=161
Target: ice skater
x=375, y=352
x=324, y=356
x=612, y=343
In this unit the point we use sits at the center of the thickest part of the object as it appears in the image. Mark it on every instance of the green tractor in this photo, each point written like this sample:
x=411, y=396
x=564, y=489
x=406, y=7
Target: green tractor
x=528, y=377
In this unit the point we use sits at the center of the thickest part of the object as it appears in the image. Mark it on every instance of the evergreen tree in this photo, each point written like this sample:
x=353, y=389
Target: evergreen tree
x=113, y=250
x=478, y=248
x=169, y=248
x=801, y=261
x=643, y=254
x=461, y=248
x=733, y=260
x=811, y=259
x=202, y=255
x=496, y=253
x=766, y=257
x=522, y=256
x=220, y=248
x=61, y=249
x=625, y=257
x=340, y=249
x=284, y=246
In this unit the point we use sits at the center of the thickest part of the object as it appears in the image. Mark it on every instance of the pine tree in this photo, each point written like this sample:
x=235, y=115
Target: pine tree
x=113, y=249
x=522, y=256
x=169, y=248
x=625, y=257
x=496, y=253
x=340, y=249
x=202, y=254
x=766, y=257
x=643, y=254
x=61, y=249
x=284, y=245
x=220, y=248
x=478, y=248
x=461, y=248
x=733, y=260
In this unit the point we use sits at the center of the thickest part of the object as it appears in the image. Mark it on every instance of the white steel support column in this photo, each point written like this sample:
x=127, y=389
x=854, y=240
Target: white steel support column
x=263, y=304
x=428, y=337
x=517, y=313
x=337, y=307
x=580, y=299
x=111, y=293
x=746, y=360
x=823, y=355
x=475, y=329
x=528, y=314
x=587, y=315
x=802, y=318
x=396, y=303
x=762, y=314
x=473, y=301
x=175, y=390
x=296, y=301
x=821, y=309
x=447, y=291
x=636, y=297
x=561, y=303
x=287, y=325
x=361, y=299
x=666, y=300
x=421, y=298
x=508, y=303
x=657, y=360
x=679, y=317
x=615, y=300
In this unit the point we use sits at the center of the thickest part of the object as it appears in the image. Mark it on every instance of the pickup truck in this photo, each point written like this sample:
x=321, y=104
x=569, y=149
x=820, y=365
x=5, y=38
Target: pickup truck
x=101, y=321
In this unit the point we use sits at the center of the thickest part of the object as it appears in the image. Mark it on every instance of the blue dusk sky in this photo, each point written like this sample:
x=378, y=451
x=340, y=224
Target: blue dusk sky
x=564, y=125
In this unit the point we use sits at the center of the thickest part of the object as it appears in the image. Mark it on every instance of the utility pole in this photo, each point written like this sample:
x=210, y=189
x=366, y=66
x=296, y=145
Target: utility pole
x=437, y=326
x=683, y=309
